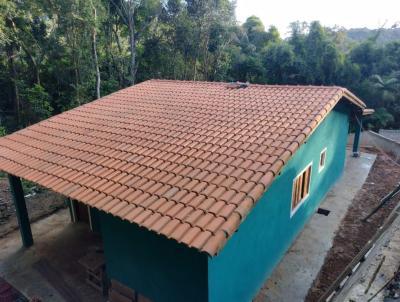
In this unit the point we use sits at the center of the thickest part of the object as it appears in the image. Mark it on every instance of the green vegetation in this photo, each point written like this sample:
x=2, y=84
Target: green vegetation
x=58, y=54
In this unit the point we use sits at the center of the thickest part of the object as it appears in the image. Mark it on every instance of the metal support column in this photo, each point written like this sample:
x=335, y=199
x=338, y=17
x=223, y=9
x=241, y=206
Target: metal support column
x=21, y=211
x=357, y=136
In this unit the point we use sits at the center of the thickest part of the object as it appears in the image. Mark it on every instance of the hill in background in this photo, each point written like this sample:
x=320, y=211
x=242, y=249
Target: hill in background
x=386, y=34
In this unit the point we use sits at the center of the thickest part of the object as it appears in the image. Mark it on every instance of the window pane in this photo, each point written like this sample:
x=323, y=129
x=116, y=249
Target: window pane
x=322, y=160
x=301, y=187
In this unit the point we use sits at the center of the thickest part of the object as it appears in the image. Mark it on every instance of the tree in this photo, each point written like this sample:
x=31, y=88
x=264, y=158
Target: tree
x=389, y=98
x=390, y=84
x=127, y=11
x=273, y=35
x=381, y=119
x=255, y=31
x=94, y=49
x=58, y=54
x=37, y=104
x=279, y=62
x=367, y=55
x=137, y=23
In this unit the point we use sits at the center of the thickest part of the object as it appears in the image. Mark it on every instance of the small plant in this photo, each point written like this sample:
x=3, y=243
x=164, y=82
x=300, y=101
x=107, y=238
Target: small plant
x=30, y=188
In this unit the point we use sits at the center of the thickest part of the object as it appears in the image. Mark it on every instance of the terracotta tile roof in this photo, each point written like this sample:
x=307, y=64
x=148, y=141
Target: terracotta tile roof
x=187, y=160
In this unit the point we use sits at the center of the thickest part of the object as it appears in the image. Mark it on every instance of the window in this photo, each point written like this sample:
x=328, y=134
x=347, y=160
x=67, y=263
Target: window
x=322, y=160
x=301, y=188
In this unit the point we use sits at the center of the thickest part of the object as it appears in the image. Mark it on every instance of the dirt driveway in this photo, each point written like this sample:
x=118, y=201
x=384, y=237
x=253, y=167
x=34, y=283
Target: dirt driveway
x=353, y=234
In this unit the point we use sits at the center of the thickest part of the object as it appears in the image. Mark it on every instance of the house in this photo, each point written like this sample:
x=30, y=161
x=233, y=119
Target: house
x=198, y=188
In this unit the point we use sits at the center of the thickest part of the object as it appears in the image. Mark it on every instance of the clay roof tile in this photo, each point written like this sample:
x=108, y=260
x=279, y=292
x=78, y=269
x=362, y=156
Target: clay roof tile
x=184, y=159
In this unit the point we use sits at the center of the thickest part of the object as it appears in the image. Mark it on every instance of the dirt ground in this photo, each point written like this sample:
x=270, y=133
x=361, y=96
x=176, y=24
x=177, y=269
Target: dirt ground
x=353, y=234
x=393, y=289
x=40, y=205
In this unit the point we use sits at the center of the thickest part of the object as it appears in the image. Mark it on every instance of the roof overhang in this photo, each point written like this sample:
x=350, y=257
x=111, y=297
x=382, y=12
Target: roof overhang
x=356, y=101
x=368, y=111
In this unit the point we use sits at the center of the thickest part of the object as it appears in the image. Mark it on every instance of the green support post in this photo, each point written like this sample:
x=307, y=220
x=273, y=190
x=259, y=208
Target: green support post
x=21, y=211
x=72, y=211
x=357, y=135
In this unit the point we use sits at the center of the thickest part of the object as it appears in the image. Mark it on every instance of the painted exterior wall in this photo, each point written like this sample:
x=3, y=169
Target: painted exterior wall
x=249, y=257
x=164, y=270
x=156, y=267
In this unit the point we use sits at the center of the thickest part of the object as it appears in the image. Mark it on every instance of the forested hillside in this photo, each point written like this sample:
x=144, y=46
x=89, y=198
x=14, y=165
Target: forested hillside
x=384, y=35
x=58, y=54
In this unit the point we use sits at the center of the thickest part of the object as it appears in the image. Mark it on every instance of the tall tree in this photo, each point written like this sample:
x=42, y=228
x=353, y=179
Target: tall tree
x=94, y=49
x=137, y=23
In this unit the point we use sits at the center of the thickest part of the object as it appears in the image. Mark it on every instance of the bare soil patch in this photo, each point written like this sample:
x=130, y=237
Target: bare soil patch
x=393, y=289
x=353, y=234
x=39, y=206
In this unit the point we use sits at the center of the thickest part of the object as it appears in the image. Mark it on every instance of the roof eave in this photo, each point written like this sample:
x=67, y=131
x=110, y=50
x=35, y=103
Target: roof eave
x=368, y=111
x=354, y=99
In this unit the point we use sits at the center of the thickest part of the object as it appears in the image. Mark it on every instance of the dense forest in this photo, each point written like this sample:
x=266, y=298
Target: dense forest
x=58, y=54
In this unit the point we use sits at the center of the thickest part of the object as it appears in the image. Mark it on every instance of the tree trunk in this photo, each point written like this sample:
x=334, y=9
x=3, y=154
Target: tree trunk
x=26, y=50
x=132, y=46
x=76, y=71
x=33, y=61
x=206, y=56
x=13, y=76
x=108, y=34
x=126, y=11
x=117, y=63
x=94, y=53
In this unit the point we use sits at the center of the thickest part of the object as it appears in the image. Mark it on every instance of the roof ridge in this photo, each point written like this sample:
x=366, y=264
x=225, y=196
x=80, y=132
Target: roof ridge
x=251, y=84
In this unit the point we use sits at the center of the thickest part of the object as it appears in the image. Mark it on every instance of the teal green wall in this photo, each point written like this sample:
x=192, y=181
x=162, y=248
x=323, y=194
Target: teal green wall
x=249, y=257
x=155, y=266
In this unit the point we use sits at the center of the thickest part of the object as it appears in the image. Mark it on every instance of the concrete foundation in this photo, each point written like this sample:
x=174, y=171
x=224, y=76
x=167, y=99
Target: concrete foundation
x=294, y=275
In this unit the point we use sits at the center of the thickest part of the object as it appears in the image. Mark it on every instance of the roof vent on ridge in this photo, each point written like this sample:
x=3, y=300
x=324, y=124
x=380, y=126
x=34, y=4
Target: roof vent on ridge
x=237, y=85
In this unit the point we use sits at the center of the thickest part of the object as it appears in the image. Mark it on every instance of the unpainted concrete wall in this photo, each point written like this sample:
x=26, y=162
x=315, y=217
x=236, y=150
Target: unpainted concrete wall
x=394, y=135
x=373, y=139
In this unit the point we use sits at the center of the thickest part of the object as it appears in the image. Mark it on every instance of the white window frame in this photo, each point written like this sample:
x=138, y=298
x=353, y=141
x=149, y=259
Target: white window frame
x=302, y=201
x=320, y=168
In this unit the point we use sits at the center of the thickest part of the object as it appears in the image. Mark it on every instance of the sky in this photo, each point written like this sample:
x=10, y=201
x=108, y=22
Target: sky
x=346, y=13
